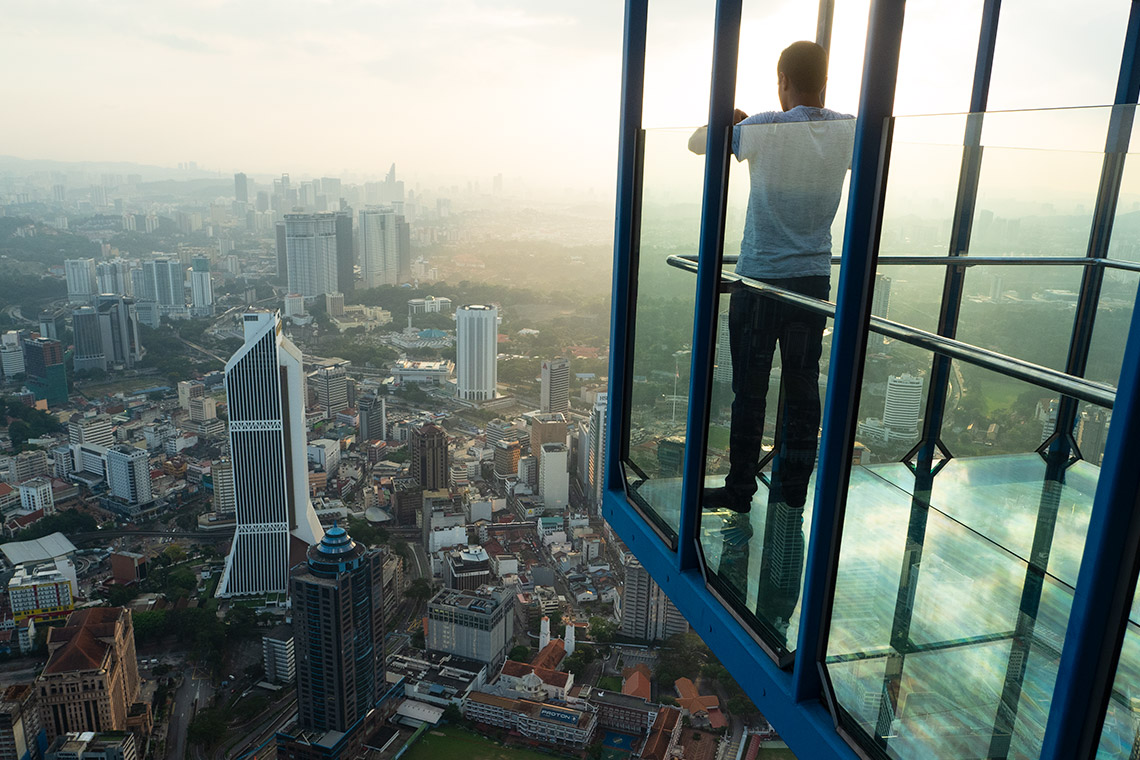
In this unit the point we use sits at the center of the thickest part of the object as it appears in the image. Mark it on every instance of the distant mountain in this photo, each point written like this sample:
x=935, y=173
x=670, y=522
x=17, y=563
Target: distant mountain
x=24, y=166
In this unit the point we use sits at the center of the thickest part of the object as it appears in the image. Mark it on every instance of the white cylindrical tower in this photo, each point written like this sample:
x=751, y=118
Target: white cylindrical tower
x=477, y=346
x=544, y=633
x=569, y=639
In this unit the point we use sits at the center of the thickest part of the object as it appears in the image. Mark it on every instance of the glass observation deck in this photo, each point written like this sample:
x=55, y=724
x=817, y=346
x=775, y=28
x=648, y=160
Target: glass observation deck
x=960, y=580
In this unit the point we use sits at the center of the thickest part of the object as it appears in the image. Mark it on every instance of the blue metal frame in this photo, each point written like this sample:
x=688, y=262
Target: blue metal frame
x=849, y=339
x=726, y=51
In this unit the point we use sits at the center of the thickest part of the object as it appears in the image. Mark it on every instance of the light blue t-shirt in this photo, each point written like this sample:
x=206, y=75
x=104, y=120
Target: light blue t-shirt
x=797, y=161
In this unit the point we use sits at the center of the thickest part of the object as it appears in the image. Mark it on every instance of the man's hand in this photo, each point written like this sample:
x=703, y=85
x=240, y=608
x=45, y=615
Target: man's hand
x=738, y=116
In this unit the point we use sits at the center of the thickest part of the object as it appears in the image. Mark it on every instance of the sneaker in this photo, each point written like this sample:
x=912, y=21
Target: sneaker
x=722, y=498
x=737, y=530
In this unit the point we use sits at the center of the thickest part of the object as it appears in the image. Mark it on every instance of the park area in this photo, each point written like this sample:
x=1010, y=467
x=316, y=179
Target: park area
x=454, y=743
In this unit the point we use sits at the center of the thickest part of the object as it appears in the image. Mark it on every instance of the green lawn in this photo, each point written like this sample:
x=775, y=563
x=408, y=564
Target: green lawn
x=609, y=683
x=459, y=744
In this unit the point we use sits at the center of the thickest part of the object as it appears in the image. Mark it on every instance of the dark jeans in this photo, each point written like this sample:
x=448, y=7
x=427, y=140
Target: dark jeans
x=756, y=325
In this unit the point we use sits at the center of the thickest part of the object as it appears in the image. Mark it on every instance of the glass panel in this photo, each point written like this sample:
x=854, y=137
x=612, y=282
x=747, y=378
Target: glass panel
x=663, y=327
x=936, y=68
x=1113, y=317
x=1049, y=56
x=766, y=28
x=768, y=379
x=678, y=51
x=1120, y=739
x=892, y=405
x=1125, y=242
x=1021, y=311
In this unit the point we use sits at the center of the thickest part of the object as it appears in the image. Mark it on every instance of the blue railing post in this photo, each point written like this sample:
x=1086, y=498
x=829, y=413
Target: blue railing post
x=849, y=338
x=625, y=228
x=726, y=46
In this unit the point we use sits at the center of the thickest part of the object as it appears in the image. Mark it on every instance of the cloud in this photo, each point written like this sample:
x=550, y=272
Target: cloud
x=183, y=44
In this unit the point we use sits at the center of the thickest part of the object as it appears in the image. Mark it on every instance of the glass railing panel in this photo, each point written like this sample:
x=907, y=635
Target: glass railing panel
x=1021, y=311
x=1120, y=738
x=663, y=326
x=907, y=294
x=892, y=404
x=942, y=643
x=1110, y=331
x=766, y=28
x=1125, y=241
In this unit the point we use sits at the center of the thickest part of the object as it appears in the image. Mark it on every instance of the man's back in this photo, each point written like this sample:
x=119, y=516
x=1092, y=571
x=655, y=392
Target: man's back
x=797, y=162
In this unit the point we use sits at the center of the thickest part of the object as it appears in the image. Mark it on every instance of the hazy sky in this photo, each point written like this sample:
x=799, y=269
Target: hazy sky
x=459, y=90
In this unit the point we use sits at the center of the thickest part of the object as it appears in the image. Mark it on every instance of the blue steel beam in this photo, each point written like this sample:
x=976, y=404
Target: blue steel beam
x=849, y=339
x=625, y=231
x=726, y=47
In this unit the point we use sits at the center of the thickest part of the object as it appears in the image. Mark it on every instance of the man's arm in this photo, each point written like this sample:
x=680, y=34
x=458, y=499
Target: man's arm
x=699, y=139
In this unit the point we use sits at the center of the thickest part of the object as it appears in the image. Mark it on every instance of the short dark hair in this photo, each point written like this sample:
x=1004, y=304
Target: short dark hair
x=805, y=65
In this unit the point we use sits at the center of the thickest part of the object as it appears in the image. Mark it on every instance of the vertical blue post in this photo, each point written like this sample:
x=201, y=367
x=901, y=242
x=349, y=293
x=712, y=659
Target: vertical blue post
x=849, y=338
x=726, y=46
x=625, y=228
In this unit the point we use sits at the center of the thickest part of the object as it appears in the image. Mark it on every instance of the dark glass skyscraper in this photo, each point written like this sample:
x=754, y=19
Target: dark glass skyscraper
x=338, y=630
x=429, y=456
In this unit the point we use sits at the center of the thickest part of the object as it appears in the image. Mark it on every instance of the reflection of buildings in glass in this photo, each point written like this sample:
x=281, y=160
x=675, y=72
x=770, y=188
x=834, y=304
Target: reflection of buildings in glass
x=1092, y=430
x=881, y=299
x=670, y=456
x=722, y=370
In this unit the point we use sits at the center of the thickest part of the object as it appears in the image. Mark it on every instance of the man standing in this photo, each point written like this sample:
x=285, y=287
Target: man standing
x=797, y=160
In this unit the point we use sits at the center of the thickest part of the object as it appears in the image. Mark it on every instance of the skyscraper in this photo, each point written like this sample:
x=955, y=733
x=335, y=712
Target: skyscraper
x=81, y=280
x=168, y=279
x=113, y=277
x=128, y=474
x=345, y=252
x=373, y=418
x=379, y=247
x=546, y=428
x=338, y=633
x=428, y=444
x=331, y=384
x=43, y=364
x=597, y=450
x=94, y=429
x=646, y=612
x=311, y=253
x=88, y=340
x=201, y=293
x=903, y=404
x=554, y=475
x=11, y=353
x=265, y=397
x=241, y=188
x=477, y=345
x=881, y=298
x=282, y=255
x=555, y=385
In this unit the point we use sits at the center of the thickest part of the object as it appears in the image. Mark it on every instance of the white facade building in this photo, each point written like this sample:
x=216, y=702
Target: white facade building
x=128, y=474
x=310, y=254
x=554, y=476
x=36, y=494
x=903, y=405
x=81, y=280
x=265, y=394
x=201, y=293
x=11, y=354
x=555, y=385
x=477, y=346
x=597, y=450
x=379, y=246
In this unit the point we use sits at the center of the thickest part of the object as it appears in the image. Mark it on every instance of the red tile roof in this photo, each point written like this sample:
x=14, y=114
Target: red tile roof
x=638, y=685
x=550, y=677
x=83, y=642
x=550, y=655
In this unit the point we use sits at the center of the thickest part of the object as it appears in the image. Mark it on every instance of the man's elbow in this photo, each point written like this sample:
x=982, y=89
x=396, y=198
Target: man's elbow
x=698, y=141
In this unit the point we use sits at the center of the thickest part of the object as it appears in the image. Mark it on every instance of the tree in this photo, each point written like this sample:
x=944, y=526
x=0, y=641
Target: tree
x=519, y=653
x=602, y=630
x=208, y=728
x=420, y=590
x=452, y=713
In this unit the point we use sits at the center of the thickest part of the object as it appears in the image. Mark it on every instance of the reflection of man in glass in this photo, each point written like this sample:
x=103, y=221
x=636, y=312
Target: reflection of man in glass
x=797, y=160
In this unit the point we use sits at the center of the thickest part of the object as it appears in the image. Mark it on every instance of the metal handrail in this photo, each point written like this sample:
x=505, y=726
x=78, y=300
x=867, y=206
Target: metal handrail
x=973, y=261
x=1019, y=369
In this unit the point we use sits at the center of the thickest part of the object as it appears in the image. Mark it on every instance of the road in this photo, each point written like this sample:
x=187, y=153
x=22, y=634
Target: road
x=194, y=692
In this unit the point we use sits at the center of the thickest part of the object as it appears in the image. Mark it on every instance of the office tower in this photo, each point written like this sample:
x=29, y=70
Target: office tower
x=506, y=459
x=278, y=655
x=128, y=474
x=43, y=592
x=203, y=409
x=91, y=680
x=28, y=464
x=546, y=428
x=81, y=280
x=331, y=384
x=338, y=633
x=36, y=494
x=20, y=732
x=88, y=340
x=222, y=478
x=345, y=253
x=881, y=298
x=554, y=476
x=294, y=305
x=265, y=394
x=201, y=293
x=334, y=304
x=114, y=277
x=282, y=254
x=189, y=389
x=595, y=476
x=43, y=365
x=168, y=279
x=119, y=330
x=241, y=188
x=95, y=428
x=11, y=354
x=476, y=625
x=311, y=254
x=373, y=411
x=903, y=404
x=404, y=257
x=646, y=612
x=555, y=385
x=428, y=445
x=379, y=247
x=477, y=346
x=53, y=322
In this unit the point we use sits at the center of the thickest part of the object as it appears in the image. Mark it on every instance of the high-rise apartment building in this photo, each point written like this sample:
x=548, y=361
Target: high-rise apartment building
x=282, y=254
x=81, y=280
x=379, y=246
x=476, y=356
x=128, y=475
x=167, y=279
x=903, y=404
x=114, y=277
x=311, y=253
x=119, y=330
x=12, y=353
x=555, y=394
x=91, y=680
x=222, y=477
x=428, y=445
x=241, y=188
x=92, y=428
x=20, y=732
x=338, y=633
x=373, y=411
x=554, y=476
x=345, y=253
x=266, y=401
x=646, y=612
x=43, y=365
x=596, y=455
x=881, y=298
x=331, y=384
x=201, y=293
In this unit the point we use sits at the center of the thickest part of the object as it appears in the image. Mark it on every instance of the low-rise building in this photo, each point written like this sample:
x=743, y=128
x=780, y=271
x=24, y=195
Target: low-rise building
x=552, y=725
